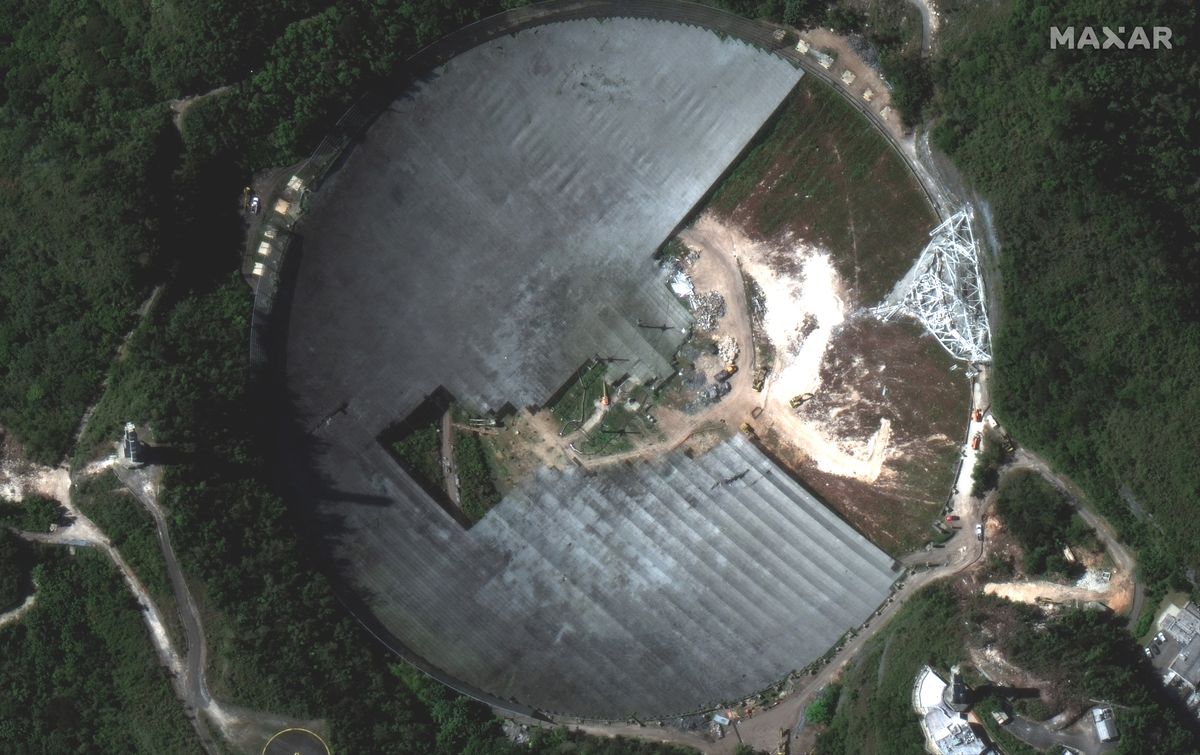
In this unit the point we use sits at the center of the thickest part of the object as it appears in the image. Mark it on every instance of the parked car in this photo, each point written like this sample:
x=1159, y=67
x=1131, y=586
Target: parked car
x=1160, y=638
x=979, y=532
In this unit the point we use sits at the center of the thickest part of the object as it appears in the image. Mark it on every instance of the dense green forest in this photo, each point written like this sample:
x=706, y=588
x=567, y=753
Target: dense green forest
x=1089, y=160
x=106, y=501
x=80, y=674
x=16, y=564
x=34, y=513
x=1043, y=522
x=97, y=199
x=476, y=488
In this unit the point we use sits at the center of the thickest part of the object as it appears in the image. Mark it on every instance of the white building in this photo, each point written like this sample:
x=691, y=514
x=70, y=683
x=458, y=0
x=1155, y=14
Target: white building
x=946, y=731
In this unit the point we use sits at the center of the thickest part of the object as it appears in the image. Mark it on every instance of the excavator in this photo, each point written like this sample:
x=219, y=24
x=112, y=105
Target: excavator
x=798, y=401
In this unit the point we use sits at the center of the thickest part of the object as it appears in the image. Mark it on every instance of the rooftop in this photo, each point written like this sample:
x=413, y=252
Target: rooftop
x=1187, y=664
x=1183, y=626
x=946, y=732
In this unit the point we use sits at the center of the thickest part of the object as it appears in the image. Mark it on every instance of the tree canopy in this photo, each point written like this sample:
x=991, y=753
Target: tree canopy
x=1089, y=161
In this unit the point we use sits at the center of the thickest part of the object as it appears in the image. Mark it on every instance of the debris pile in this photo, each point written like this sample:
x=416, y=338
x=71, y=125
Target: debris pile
x=681, y=285
x=727, y=350
x=864, y=49
x=707, y=309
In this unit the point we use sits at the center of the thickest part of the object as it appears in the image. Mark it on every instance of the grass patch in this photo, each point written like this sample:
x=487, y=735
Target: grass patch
x=612, y=435
x=420, y=452
x=575, y=404
x=1145, y=629
x=820, y=711
x=820, y=169
x=476, y=489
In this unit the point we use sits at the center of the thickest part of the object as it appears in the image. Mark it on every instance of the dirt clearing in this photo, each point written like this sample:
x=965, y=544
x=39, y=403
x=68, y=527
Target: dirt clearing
x=879, y=406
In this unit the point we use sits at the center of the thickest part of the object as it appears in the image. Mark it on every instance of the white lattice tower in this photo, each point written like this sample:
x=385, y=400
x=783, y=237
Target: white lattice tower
x=944, y=291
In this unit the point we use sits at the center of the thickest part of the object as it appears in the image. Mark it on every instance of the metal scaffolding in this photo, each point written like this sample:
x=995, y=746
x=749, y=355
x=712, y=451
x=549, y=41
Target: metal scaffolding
x=944, y=291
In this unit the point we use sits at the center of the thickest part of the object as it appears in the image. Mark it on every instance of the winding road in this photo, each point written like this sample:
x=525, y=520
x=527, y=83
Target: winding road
x=246, y=730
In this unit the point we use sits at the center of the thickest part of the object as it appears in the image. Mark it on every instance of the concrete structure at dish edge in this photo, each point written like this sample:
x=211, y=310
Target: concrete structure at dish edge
x=492, y=232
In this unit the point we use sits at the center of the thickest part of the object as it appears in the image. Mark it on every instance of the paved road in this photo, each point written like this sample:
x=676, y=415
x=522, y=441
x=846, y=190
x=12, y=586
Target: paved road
x=1081, y=735
x=923, y=8
x=196, y=685
x=244, y=728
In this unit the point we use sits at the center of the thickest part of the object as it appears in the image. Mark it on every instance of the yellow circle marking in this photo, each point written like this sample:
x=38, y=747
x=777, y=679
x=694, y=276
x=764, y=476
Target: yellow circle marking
x=313, y=734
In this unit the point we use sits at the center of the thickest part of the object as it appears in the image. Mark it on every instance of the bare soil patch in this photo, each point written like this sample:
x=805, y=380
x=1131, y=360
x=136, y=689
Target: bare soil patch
x=879, y=435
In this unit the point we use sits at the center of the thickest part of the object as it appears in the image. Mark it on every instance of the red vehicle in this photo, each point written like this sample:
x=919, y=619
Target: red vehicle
x=952, y=518
x=979, y=415
x=976, y=441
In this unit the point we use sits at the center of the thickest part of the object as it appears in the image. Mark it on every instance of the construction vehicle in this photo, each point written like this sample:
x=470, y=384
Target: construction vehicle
x=798, y=401
x=748, y=431
x=726, y=373
x=760, y=379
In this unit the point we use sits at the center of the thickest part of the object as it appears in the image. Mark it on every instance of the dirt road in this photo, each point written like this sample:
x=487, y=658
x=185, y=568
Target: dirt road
x=244, y=728
x=1122, y=558
x=449, y=468
x=82, y=532
x=247, y=730
x=14, y=615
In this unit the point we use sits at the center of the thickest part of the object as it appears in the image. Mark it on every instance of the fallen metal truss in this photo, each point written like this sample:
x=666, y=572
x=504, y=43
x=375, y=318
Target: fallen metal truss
x=944, y=291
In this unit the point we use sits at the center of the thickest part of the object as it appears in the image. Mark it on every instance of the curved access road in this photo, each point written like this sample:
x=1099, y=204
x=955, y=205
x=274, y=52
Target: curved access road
x=244, y=728
x=1122, y=557
x=82, y=532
